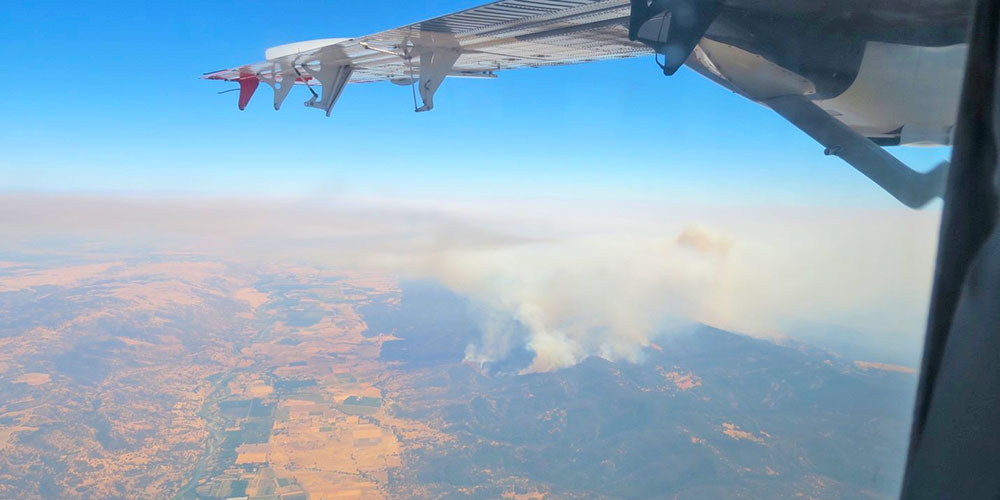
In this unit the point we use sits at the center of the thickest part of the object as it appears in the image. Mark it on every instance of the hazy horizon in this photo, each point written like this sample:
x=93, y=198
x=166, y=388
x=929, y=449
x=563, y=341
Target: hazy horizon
x=586, y=278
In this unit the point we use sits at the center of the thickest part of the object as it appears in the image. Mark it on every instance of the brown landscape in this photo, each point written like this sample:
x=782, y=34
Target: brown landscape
x=154, y=408
x=186, y=376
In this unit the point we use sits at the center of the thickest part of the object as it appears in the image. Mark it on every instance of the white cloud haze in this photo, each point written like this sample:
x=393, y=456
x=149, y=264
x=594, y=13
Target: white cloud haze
x=585, y=278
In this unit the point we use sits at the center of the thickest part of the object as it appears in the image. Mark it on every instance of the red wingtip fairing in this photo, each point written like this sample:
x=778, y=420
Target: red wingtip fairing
x=248, y=85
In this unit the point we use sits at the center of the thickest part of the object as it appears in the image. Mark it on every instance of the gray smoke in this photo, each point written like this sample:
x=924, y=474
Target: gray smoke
x=584, y=279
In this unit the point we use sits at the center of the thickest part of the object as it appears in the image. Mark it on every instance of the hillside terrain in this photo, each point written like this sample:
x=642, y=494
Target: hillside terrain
x=180, y=376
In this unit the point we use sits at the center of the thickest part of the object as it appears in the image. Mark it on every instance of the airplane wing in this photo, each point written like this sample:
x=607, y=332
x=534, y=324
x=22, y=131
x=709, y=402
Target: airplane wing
x=474, y=43
x=854, y=75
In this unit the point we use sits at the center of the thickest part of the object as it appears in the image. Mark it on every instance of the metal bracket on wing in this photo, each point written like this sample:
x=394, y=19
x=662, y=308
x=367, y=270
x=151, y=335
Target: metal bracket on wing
x=672, y=28
x=281, y=80
x=435, y=64
x=438, y=56
x=914, y=189
x=333, y=70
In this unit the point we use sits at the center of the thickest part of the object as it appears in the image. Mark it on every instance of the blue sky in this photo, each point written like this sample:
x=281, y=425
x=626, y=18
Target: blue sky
x=104, y=97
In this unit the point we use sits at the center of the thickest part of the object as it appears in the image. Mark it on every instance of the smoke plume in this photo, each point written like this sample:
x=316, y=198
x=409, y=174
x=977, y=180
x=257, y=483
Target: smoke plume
x=563, y=280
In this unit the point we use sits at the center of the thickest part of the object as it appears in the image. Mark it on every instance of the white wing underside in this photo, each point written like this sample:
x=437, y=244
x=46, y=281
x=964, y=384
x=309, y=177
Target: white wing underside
x=508, y=34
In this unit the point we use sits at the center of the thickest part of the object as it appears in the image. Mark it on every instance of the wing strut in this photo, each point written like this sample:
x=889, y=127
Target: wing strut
x=914, y=189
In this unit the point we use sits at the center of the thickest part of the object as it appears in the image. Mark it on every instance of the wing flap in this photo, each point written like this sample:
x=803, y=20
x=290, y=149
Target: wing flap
x=477, y=42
